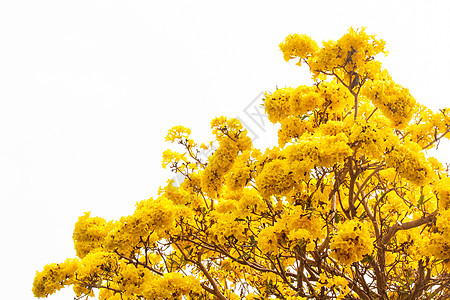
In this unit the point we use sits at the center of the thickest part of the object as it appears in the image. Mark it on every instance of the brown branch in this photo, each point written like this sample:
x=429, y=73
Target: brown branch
x=371, y=114
x=253, y=265
x=136, y=262
x=215, y=290
x=408, y=225
x=207, y=288
x=351, y=189
x=90, y=286
x=361, y=186
x=352, y=284
x=283, y=274
x=356, y=105
x=380, y=273
x=339, y=178
x=327, y=240
x=310, y=286
x=436, y=139
x=360, y=279
x=420, y=282
x=372, y=217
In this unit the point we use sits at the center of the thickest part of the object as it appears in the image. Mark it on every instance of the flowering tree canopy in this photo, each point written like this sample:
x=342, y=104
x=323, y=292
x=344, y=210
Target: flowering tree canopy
x=347, y=206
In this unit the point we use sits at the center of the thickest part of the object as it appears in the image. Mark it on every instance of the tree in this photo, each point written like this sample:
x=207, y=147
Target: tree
x=347, y=206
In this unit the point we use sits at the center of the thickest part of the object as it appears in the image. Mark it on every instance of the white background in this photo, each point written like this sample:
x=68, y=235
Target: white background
x=88, y=90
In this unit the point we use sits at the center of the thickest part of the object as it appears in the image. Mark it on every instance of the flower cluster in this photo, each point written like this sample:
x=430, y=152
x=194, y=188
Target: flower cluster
x=89, y=233
x=439, y=242
x=352, y=242
x=55, y=277
x=410, y=163
x=394, y=101
x=443, y=192
x=298, y=46
x=323, y=99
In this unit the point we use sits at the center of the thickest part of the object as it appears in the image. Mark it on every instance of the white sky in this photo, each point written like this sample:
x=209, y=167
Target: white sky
x=88, y=90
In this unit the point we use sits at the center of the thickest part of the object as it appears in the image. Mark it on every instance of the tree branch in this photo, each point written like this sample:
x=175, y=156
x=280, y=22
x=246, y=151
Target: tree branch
x=436, y=139
x=210, y=279
x=215, y=290
x=408, y=225
x=136, y=262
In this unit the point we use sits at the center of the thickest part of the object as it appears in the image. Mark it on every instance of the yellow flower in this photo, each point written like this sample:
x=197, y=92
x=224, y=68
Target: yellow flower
x=276, y=105
x=89, y=233
x=55, y=277
x=296, y=45
x=177, y=133
x=352, y=242
x=410, y=163
x=443, y=192
x=275, y=179
x=394, y=101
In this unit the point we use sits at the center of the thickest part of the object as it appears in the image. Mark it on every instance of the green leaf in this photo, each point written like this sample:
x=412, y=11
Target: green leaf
x=431, y=296
x=427, y=200
x=337, y=218
x=366, y=259
x=420, y=202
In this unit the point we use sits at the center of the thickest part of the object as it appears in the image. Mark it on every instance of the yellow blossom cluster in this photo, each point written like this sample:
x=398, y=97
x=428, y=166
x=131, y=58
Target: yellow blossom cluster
x=170, y=286
x=412, y=243
x=298, y=228
x=233, y=140
x=394, y=209
x=140, y=282
x=55, y=277
x=337, y=284
x=178, y=133
x=410, y=163
x=227, y=227
x=298, y=46
x=251, y=202
x=371, y=139
x=150, y=221
x=296, y=161
x=231, y=219
x=443, y=192
x=181, y=162
x=174, y=158
x=394, y=101
x=426, y=126
x=95, y=267
x=352, y=242
x=277, y=104
x=353, y=52
x=323, y=150
x=326, y=98
x=176, y=195
x=439, y=241
x=218, y=165
x=242, y=171
x=276, y=178
x=303, y=227
x=89, y=233
x=292, y=128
